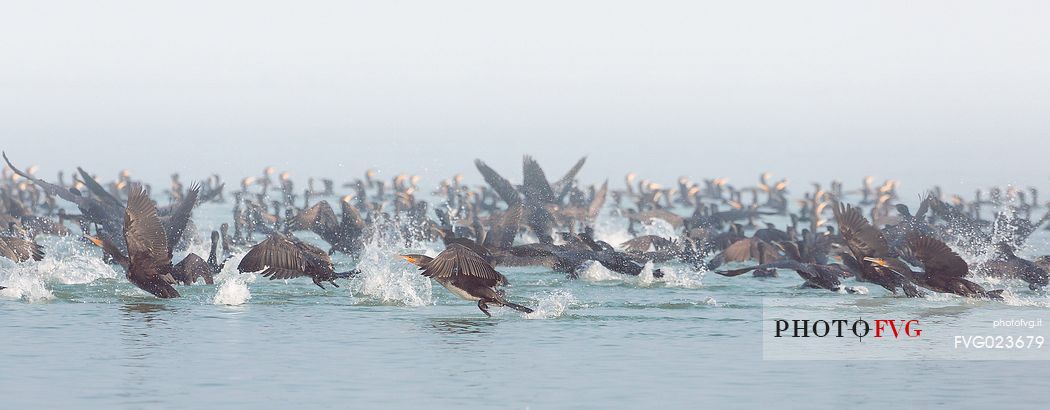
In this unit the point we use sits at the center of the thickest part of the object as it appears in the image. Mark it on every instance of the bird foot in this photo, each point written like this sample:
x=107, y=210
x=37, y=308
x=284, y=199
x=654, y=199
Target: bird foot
x=484, y=308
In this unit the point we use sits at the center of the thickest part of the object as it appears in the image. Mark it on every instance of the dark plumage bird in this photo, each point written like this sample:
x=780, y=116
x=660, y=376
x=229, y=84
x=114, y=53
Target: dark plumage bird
x=285, y=257
x=804, y=261
x=344, y=236
x=943, y=269
x=20, y=250
x=745, y=250
x=194, y=267
x=815, y=275
x=106, y=211
x=466, y=274
x=864, y=242
x=148, y=263
x=1006, y=264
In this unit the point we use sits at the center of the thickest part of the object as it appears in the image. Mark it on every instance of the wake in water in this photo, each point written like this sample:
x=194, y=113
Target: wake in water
x=552, y=305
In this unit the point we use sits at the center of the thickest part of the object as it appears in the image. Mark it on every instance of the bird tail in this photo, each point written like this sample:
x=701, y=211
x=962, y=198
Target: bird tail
x=517, y=307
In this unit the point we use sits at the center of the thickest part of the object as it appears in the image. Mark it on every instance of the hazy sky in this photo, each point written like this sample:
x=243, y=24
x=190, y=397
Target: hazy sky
x=949, y=92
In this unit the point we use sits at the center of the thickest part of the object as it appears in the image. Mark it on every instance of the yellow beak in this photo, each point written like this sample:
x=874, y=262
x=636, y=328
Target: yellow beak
x=877, y=261
x=94, y=240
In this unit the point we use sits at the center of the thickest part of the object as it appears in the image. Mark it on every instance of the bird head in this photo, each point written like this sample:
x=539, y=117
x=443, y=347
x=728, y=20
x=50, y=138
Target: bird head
x=417, y=259
x=892, y=264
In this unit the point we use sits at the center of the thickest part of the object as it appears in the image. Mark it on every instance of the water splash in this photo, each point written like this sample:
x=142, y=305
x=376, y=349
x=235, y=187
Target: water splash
x=674, y=276
x=1035, y=300
x=611, y=228
x=680, y=277
x=233, y=286
x=852, y=290
x=65, y=262
x=22, y=282
x=551, y=305
x=646, y=278
x=592, y=271
x=388, y=279
x=659, y=227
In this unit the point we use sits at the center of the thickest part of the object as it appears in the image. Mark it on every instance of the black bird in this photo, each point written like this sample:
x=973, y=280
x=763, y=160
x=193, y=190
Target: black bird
x=194, y=267
x=343, y=236
x=148, y=263
x=943, y=269
x=815, y=275
x=285, y=257
x=106, y=211
x=466, y=274
x=863, y=242
x=1006, y=264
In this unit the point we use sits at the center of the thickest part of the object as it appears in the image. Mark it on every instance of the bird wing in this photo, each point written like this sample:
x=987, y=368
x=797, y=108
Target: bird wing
x=352, y=220
x=640, y=244
x=276, y=252
x=501, y=185
x=314, y=256
x=534, y=183
x=180, y=216
x=935, y=256
x=49, y=188
x=863, y=239
x=562, y=186
x=540, y=221
x=457, y=260
x=738, y=251
x=781, y=264
x=20, y=250
x=98, y=190
x=147, y=241
x=317, y=218
x=598, y=201
x=503, y=232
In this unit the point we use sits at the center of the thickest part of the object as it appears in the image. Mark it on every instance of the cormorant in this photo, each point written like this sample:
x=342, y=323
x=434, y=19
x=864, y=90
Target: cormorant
x=285, y=257
x=863, y=242
x=466, y=274
x=148, y=263
x=943, y=269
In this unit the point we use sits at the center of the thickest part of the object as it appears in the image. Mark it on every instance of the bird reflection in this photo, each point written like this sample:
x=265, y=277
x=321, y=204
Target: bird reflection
x=147, y=312
x=463, y=326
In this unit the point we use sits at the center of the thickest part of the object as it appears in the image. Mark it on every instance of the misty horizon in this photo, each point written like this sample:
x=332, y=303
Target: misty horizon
x=937, y=93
